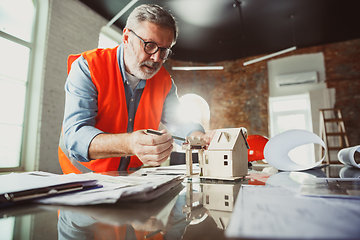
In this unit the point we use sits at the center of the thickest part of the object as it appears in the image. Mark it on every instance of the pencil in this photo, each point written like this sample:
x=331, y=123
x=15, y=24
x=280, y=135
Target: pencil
x=160, y=133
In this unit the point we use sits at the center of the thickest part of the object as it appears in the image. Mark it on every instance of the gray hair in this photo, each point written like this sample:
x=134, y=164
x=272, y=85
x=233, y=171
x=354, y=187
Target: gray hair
x=154, y=14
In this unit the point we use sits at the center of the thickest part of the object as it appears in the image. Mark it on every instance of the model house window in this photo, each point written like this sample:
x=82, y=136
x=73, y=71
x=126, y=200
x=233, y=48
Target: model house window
x=16, y=34
x=292, y=112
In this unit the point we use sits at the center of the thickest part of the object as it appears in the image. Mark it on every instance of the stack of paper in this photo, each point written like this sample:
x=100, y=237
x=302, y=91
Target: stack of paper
x=84, y=189
x=119, y=188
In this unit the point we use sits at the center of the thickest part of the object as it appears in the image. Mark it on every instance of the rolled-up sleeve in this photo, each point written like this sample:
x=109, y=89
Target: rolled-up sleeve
x=80, y=111
x=170, y=117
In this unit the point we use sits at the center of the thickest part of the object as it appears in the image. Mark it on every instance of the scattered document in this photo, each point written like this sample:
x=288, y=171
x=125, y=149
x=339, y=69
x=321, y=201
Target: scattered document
x=331, y=187
x=169, y=170
x=115, y=188
x=276, y=151
x=17, y=187
x=280, y=213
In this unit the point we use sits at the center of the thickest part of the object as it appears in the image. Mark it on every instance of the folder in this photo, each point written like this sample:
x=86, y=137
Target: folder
x=21, y=187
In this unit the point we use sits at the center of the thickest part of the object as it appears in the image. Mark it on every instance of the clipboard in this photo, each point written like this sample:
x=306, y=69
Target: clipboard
x=21, y=187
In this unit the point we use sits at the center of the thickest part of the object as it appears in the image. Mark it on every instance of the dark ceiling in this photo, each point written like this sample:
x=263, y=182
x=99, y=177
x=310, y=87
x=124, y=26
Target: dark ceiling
x=219, y=30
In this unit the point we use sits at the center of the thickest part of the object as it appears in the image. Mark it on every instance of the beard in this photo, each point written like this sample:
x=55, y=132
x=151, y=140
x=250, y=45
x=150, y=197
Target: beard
x=143, y=70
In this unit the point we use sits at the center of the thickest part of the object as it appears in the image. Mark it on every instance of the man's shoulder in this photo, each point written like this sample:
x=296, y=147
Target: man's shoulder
x=99, y=52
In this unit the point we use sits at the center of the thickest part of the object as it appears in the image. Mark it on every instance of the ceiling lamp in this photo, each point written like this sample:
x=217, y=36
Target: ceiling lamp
x=269, y=56
x=198, y=68
x=122, y=11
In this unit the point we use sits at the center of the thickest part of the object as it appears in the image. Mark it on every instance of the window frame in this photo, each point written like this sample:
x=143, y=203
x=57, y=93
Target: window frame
x=29, y=153
x=307, y=113
x=273, y=115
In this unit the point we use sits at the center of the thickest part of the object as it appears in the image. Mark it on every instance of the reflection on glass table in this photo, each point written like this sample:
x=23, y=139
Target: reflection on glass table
x=167, y=217
x=195, y=209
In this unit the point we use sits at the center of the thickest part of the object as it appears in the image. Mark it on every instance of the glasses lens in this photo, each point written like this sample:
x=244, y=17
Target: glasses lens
x=151, y=48
x=165, y=53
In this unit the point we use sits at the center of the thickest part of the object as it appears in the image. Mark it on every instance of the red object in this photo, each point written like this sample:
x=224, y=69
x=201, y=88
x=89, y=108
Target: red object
x=257, y=144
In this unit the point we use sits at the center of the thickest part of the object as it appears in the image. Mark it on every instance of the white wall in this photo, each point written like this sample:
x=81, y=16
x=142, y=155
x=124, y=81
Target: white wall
x=72, y=28
x=296, y=64
x=320, y=99
x=320, y=95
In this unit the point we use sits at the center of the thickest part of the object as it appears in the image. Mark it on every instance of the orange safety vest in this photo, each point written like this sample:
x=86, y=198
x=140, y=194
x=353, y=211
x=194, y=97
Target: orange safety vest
x=112, y=116
x=104, y=231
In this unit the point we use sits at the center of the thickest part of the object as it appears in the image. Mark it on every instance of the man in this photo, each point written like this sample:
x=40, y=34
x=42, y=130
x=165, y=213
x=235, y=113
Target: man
x=113, y=95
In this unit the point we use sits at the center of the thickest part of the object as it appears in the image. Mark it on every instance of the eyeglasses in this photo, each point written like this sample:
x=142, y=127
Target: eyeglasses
x=152, y=48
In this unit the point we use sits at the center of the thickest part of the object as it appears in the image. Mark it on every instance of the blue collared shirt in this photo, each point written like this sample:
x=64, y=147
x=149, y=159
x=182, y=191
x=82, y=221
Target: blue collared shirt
x=81, y=109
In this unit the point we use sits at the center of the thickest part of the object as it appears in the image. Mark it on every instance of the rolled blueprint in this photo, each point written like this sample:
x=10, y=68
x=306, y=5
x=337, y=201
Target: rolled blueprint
x=347, y=156
x=277, y=149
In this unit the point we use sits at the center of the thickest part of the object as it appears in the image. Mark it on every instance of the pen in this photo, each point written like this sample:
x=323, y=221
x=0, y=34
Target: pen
x=42, y=192
x=160, y=133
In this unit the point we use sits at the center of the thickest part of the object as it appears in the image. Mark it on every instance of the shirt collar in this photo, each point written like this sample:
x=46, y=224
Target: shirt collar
x=120, y=54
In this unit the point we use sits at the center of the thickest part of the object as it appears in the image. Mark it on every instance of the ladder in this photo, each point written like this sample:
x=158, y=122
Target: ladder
x=333, y=133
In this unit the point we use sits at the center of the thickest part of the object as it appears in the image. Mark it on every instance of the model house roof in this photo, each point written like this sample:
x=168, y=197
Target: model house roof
x=226, y=138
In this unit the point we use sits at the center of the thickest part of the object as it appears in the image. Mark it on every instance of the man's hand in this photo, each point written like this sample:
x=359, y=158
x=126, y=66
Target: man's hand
x=207, y=137
x=151, y=149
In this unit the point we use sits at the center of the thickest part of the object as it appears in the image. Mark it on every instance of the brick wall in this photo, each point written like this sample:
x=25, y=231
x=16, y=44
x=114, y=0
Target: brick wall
x=342, y=61
x=72, y=28
x=238, y=95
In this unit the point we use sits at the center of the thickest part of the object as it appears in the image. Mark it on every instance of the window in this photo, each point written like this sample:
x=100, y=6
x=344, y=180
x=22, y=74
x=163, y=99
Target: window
x=109, y=38
x=16, y=33
x=292, y=112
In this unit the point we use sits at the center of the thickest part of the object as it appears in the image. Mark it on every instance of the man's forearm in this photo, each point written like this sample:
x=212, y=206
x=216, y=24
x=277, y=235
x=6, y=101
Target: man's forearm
x=149, y=148
x=110, y=145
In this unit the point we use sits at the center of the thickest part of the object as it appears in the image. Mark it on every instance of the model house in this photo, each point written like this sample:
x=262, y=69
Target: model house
x=226, y=157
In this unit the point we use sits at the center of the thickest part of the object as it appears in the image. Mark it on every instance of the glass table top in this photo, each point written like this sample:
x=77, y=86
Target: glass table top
x=194, y=209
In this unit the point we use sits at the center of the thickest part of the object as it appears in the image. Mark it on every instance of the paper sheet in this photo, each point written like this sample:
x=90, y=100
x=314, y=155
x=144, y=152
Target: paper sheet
x=331, y=187
x=277, y=149
x=169, y=170
x=139, y=188
x=276, y=212
x=15, y=182
x=347, y=156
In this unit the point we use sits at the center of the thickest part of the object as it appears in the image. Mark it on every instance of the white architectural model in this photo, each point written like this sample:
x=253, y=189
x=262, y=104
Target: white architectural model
x=225, y=158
